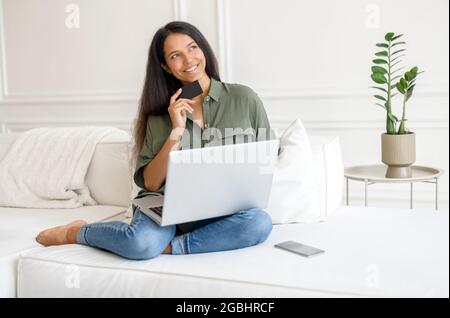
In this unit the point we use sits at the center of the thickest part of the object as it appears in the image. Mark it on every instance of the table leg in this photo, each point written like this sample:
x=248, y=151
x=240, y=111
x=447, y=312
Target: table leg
x=365, y=191
x=346, y=190
x=436, y=195
x=411, y=196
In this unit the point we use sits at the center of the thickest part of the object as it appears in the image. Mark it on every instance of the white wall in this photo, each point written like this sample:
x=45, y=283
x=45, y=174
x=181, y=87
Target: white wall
x=308, y=59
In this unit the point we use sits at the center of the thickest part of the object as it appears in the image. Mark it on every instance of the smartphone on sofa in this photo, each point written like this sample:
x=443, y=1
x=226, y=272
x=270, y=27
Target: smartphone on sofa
x=299, y=248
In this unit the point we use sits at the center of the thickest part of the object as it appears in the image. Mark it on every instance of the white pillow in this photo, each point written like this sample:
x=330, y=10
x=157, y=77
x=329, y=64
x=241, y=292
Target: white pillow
x=294, y=194
x=108, y=173
x=328, y=172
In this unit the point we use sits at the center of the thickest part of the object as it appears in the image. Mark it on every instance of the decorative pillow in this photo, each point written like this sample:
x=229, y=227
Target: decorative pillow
x=294, y=196
x=328, y=172
x=108, y=174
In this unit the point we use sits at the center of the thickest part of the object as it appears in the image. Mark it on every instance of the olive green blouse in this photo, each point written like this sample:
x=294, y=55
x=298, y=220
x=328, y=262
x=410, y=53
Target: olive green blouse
x=232, y=113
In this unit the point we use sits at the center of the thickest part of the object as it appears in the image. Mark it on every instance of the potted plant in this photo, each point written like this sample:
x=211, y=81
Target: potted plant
x=398, y=144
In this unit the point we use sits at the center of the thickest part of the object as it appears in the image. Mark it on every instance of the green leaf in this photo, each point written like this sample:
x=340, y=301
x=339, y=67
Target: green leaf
x=389, y=36
x=382, y=45
x=409, y=93
x=411, y=83
x=379, y=69
x=409, y=76
x=396, y=37
x=380, y=88
x=400, y=88
x=379, y=61
x=382, y=53
x=380, y=97
x=414, y=70
x=398, y=51
x=378, y=78
x=382, y=106
x=403, y=83
x=397, y=43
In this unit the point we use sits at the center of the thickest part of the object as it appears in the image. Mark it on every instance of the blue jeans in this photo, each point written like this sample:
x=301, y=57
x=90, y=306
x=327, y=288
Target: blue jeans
x=145, y=239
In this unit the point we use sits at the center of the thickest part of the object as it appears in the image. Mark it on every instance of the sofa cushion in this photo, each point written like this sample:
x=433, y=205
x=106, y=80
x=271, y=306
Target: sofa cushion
x=109, y=174
x=293, y=197
x=328, y=172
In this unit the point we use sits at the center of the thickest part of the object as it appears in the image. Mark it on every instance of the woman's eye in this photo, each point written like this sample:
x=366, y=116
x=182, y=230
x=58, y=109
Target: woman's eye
x=176, y=55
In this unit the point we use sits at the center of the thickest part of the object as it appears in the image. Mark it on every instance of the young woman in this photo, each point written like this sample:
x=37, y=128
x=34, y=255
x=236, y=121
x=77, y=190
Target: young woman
x=179, y=54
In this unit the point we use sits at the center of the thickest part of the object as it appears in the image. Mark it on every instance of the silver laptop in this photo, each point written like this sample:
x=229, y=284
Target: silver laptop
x=208, y=182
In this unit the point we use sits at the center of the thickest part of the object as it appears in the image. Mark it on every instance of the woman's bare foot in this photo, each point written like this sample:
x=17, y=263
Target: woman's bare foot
x=168, y=249
x=59, y=235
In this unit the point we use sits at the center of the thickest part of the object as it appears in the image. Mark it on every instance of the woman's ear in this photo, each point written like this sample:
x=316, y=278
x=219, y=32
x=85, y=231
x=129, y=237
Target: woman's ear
x=165, y=68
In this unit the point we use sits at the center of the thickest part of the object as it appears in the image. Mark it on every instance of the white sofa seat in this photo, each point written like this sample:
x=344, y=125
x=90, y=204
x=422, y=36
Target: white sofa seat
x=19, y=227
x=369, y=252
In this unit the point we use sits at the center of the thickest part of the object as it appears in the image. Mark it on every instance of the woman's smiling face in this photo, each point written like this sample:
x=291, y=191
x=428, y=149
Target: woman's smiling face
x=184, y=58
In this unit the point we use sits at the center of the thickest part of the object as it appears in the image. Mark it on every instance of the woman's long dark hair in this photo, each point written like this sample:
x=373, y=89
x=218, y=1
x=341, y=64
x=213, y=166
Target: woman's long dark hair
x=159, y=85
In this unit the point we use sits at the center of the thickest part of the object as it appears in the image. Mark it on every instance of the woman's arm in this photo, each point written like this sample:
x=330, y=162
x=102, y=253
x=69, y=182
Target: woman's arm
x=156, y=170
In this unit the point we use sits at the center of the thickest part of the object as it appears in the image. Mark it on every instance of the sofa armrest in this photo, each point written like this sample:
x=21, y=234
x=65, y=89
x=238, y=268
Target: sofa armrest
x=329, y=168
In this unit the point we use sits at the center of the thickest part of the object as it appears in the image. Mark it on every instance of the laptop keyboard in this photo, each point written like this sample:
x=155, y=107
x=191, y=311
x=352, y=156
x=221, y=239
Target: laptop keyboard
x=157, y=210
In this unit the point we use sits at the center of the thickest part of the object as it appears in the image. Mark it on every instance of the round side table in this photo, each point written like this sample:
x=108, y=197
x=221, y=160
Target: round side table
x=370, y=174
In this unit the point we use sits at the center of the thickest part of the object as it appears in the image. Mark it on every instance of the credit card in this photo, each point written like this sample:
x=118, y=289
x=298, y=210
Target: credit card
x=191, y=90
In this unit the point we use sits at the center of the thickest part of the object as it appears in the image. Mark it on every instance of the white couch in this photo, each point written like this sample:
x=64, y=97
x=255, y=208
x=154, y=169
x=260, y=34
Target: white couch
x=369, y=251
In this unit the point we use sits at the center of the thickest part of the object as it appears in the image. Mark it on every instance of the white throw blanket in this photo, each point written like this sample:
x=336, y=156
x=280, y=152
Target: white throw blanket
x=46, y=167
